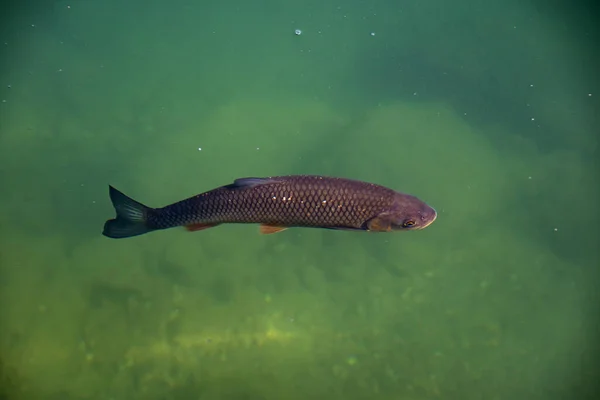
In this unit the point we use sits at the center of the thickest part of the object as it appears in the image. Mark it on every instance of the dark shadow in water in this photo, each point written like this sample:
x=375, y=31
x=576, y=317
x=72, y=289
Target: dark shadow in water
x=222, y=289
x=175, y=273
x=8, y=382
x=102, y=293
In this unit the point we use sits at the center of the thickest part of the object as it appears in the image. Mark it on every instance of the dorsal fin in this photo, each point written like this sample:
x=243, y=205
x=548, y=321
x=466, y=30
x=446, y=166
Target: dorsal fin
x=251, y=182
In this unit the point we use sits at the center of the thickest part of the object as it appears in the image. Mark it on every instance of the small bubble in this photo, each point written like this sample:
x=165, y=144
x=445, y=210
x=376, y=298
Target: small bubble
x=298, y=32
x=199, y=148
x=372, y=33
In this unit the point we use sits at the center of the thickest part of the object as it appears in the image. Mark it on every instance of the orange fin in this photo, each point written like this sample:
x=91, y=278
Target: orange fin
x=379, y=224
x=268, y=229
x=198, y=227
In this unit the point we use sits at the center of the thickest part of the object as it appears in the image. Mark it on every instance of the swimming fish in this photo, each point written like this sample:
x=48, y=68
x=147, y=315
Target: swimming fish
x=278, y=203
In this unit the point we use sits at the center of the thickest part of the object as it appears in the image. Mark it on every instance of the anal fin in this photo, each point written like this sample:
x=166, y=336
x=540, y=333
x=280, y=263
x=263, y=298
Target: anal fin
x=269, y=229
x=199, y=227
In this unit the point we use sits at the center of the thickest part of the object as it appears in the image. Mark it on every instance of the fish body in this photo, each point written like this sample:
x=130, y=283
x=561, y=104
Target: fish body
x=278, y=203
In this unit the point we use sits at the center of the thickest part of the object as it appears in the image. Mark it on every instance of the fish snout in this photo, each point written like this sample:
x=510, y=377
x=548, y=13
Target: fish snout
x=428, y=216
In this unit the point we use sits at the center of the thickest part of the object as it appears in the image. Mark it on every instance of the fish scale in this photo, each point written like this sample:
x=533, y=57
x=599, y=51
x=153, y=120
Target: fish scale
x=278, y=202
x=305, y=201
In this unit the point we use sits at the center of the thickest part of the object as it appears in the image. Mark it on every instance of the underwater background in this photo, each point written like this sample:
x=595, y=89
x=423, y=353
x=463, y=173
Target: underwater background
x=488, y=111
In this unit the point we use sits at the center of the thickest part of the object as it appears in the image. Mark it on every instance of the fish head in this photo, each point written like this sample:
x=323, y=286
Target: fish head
x=406, y=213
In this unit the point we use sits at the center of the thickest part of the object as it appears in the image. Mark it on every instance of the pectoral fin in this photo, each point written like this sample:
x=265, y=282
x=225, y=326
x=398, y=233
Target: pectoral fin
x=269, y=229
x=379, y=224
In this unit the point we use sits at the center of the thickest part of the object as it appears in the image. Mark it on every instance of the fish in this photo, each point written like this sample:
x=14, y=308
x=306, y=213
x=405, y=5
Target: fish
x=277, y=203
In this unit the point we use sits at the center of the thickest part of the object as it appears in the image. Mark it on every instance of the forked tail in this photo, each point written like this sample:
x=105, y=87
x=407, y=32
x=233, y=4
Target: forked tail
x=131, y=220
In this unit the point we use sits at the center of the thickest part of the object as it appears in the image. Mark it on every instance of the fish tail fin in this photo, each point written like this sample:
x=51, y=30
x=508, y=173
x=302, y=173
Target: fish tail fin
x=131, y=220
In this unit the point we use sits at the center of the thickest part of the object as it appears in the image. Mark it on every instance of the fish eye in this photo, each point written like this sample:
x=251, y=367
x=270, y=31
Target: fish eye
x=408, y=223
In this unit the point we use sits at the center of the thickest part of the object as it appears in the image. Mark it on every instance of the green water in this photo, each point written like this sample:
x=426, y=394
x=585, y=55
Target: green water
x=488, y=112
